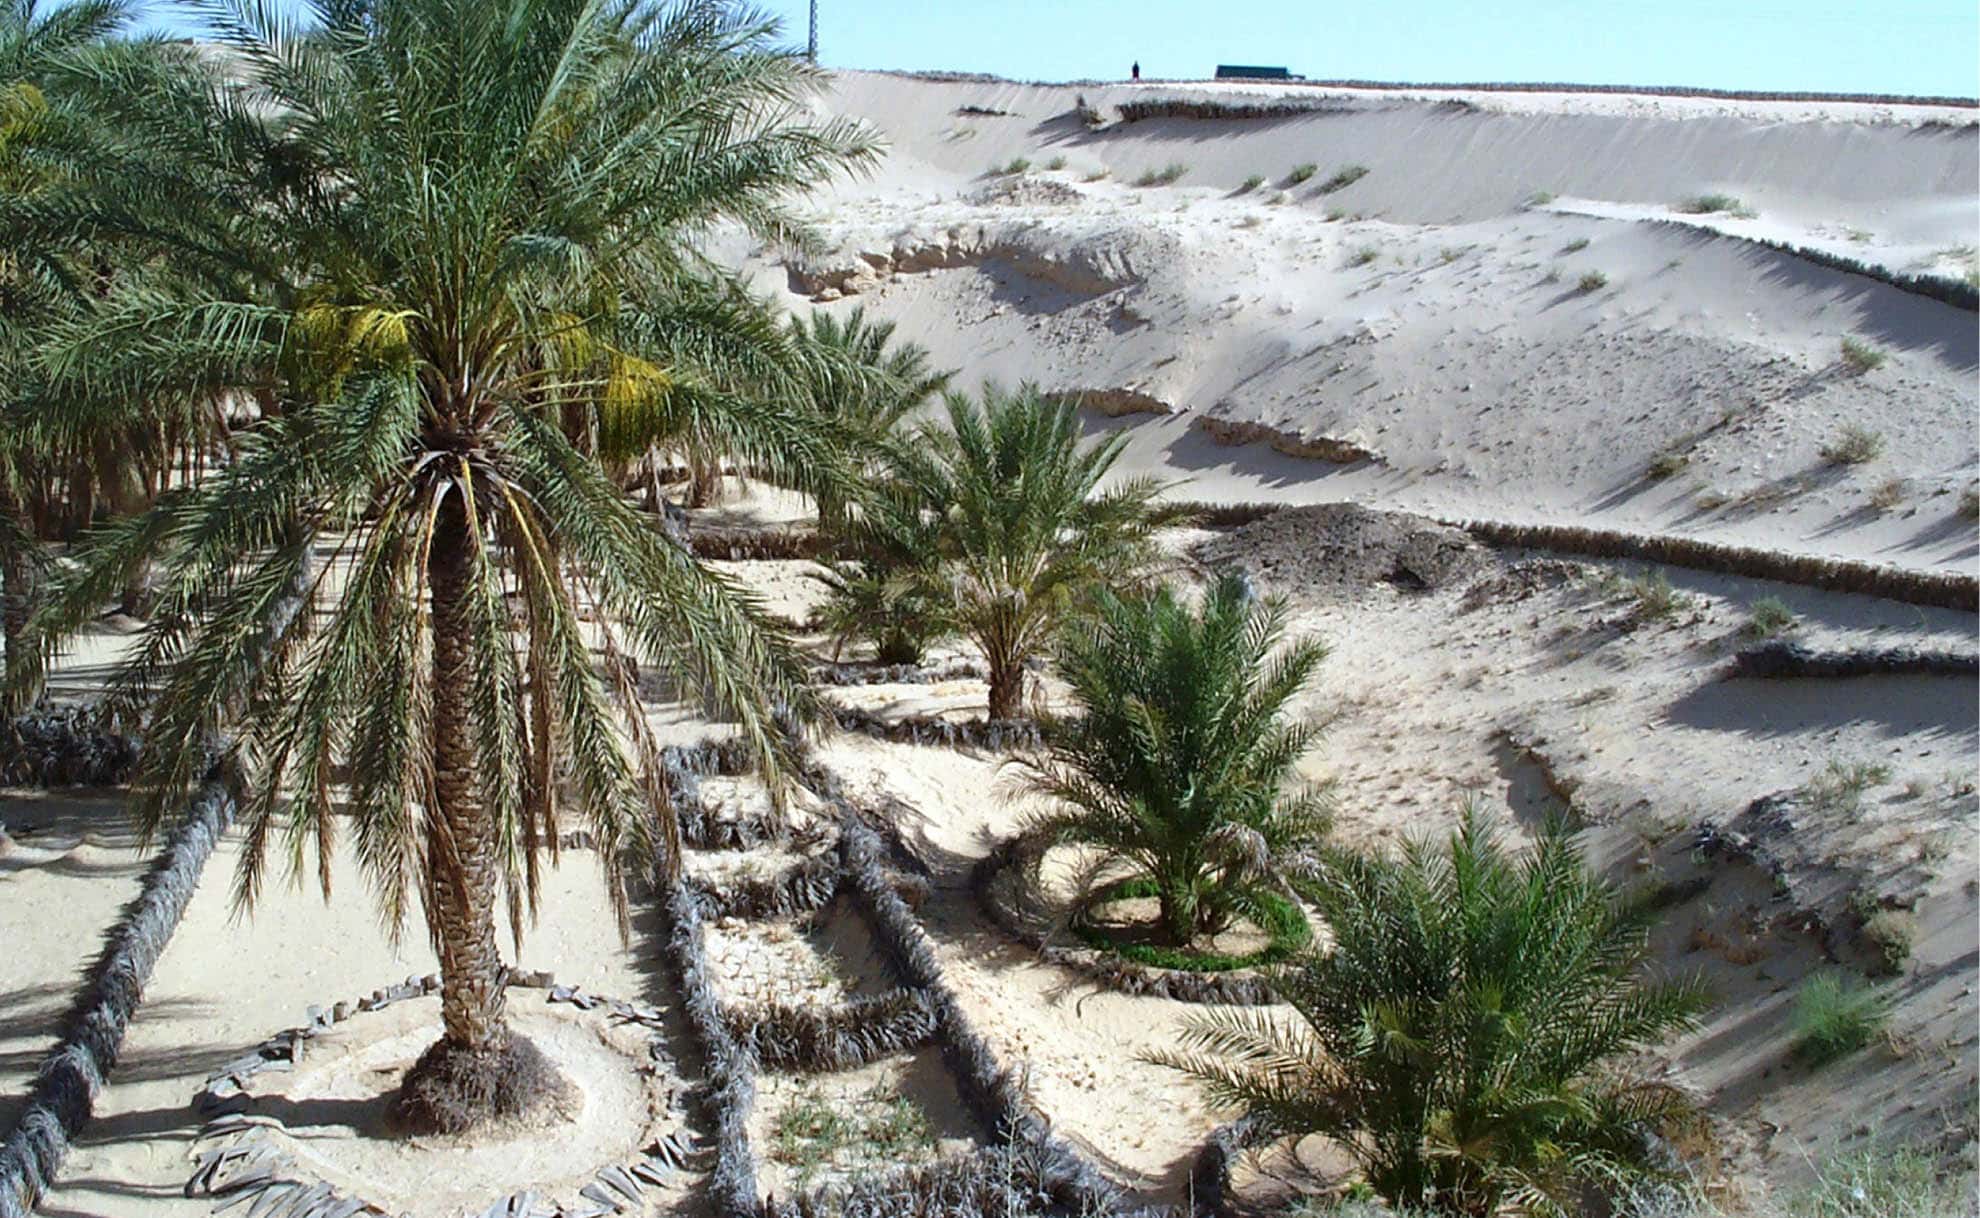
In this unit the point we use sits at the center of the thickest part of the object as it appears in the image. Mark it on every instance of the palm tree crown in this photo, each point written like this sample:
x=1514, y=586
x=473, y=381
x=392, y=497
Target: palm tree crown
x=1458, y=1035
x=1180, y=758
x=446, y=250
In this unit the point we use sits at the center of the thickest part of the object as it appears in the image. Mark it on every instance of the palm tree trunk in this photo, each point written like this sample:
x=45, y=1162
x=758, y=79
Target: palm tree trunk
x=1006, y=687
x=461, y=845
x=16, y=599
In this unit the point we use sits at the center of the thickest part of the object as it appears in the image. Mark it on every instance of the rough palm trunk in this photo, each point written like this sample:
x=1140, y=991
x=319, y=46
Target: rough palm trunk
x=16, y=599
x=461, y=845
x=1006, y=688
x=705, y=485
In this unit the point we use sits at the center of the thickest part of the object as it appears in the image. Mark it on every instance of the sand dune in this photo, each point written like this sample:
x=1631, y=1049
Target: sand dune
x=1496, y=356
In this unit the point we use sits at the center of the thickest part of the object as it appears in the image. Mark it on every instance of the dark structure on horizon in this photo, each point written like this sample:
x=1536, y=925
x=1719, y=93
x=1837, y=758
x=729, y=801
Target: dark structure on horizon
x=1238, y=71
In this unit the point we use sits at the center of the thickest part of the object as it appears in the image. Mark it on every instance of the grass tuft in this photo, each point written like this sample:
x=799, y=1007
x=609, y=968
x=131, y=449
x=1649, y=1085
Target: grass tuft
x=1835, y=1016
x=1012, y=167
x=1363, y=256
x=1859, y=356
x=1300, y=173
x=1770, y=618
x=1889, y=494
x=1712, y=204
x=1252, y=183
x=1575, y=246
x=1343, y=179
x=1169, y=173
x=1840, y=786
x=1055, y=164
x=1592, y=281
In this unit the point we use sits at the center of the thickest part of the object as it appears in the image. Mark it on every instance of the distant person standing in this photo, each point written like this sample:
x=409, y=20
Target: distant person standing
x=1134, y=73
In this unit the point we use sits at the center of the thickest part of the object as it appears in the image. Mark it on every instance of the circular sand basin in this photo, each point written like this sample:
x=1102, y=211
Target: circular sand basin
x=330, y=1112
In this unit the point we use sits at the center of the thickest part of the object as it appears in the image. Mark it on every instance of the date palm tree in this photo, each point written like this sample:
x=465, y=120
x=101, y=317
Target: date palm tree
x=1460, y=1037
x=1025, y=531
x=1179, y=759
x=864, y=411
x=445, y=252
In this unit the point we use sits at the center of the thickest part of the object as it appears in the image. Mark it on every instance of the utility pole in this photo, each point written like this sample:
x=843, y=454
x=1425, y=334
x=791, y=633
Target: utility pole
x=811, y=52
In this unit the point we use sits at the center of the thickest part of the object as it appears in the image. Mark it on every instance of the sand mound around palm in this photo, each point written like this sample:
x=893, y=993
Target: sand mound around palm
x=331, y=1117
x=1335, y=549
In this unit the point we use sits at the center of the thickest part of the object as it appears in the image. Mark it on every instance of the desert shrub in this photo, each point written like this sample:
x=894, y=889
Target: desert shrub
x=1835, y=1016
x=1702, y=205
x=1667, y=464
x=1540, y=198
x=1840, y=785
x=1853, y=445
x=1653, y=598
x=1889, y=494
x=1363, y=256
x=1769, y=617
x=1575, y=246
x=1462, y=1036
x=1886, y=1182
x=1055, y=164
x=1343, y=179
x=1969, y=503
x=1253, y=183
x=1170, y=173
x=1087, y=114
x=1012, y=167
x=1592, y=281
x=1890, y=934
x=1098, y=175
x=1859, y=356
x=1298, y=174
x=1180, y=760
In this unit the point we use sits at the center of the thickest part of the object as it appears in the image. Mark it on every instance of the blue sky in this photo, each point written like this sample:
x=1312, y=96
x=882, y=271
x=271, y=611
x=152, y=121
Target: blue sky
x=1876, y=46
x=1870, y=46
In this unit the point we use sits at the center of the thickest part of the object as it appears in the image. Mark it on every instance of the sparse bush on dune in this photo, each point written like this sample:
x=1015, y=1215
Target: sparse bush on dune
x=1713, y=204
x=1769, y=618
x=1461, y=1037
x=1969, y=503
x=1055, y=164
x=1011, y=168
x=1840, y=785
x=1859, y=356
x=1835, y=1016
x=1300, y=173
x=1168, y=174
x=1889, y=494
x=1252, y=183
x=1180, y=759
x=1343, y=179
x=1575, y=246
x=1592, y=281
x=1364, y=255
x=1854, y=445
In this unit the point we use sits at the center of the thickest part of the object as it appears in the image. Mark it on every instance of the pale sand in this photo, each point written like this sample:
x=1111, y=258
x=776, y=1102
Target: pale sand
x=1462, y=349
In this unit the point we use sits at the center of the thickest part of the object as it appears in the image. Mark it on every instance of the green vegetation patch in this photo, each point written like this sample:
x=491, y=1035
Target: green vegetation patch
x=1282, y=921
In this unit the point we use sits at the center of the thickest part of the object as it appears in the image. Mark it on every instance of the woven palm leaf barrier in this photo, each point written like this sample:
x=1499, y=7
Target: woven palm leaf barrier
x=1781, y=659
x=1210, y=1171
x=65, y=1088
x=896, y=674
x=989, y=1091
x=812, y=1039
x=754, y=544
x=239, y=1156
x=1942, y=589
x=1018, y=857
x=991, y=735
x=68, y=746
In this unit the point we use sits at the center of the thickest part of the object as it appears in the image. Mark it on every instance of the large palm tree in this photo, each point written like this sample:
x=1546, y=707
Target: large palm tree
x=1179, y=759
x=445, y=250
x=1462, y=1034
x=1025, y=531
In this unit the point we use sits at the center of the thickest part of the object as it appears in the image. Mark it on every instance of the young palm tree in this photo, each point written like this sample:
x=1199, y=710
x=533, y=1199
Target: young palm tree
x=445, y=249
x=863, y=410
x=1180, y=759
x=1459, y=1037
x=1025, y=531
x=885, y=578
